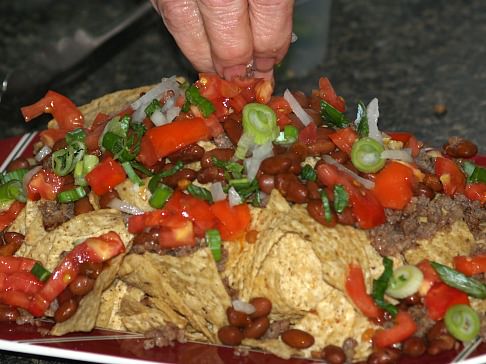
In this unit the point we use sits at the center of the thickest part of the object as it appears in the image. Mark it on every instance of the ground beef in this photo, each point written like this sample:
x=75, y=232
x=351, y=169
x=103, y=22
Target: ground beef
x=475, y=217
x=222, y=141
x=422, y=319
x=55, y=213
x=151, y=244
x=224, y=258
x=163, y=336
x=425, y=162
x=232, y=292
x=276, y=329
x=349, y=348
x=47, y=163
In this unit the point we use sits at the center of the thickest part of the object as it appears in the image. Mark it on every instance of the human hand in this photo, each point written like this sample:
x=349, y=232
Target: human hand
x=225, y=36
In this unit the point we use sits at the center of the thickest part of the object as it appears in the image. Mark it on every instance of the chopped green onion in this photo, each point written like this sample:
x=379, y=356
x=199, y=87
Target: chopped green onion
x=89, y=162
x=288, y=136
x=308, y=173
x=239, y=183
x=362, y=126
x=78, y=134
x=326, y=206
x=119, y=126
x=260, y=123
x=152, y=107
x=244, y=144
x=40, y=272
x=79, y=150
x=213, y=239
x=160, y=196
x=17, y=175
x=341, y=198
x=245, y=191
x=154, y=181
x=462, y=322
x=380, y=285
x=131, y=174
x=200, y=192
x=234, y=168
x=405, y=281
x=71, y=195
x=474, y=173
x=62, y=161
x=193, y=97
x=83, y=167
x=333, y=116
x=141, y=168
x=12, y=190
x=366, y=155
x=456, y=279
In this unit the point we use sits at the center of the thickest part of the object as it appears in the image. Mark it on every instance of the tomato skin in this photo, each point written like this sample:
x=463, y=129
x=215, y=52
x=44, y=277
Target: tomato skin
x=430, y=277
x=20, y=281
x=393, y=185
x=16, y=299
x=214, y=126
x=451, y=176
x=404, y=327
x=356, y=290
x=280, y=105
x=232, y=222
x=401, y=136
x=308, y=135
x=327, y=93
x=476, y=192
x=344, y=139
x=44, y=184
x=414, y=146
x=440, y=297
x=176, y=231
x=11, y=265
x=7, y=217
x=67, y=115
x=470, y=265
x=106, y=175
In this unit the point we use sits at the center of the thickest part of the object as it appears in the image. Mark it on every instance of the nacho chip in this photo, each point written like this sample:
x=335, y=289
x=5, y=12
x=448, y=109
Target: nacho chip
x=135, y=195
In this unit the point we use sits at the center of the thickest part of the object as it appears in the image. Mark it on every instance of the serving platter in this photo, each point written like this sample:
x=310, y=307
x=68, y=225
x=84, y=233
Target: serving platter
x=103, y=346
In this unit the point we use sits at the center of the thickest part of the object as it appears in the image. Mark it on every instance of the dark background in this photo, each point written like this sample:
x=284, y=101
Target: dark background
x=410, y=54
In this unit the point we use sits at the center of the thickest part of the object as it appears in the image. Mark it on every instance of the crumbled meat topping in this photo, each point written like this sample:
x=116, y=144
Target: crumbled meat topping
x=163, y=336
x=276, y=329
x=55, y=213
x=421, y=318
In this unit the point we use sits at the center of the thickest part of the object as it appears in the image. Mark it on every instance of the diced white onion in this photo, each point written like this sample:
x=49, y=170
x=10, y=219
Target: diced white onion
x=404, y=154
x=296, y=108
x=28, y=176
x=158, y=118
x=42, y=153
x=260, y=153
x=172, y=113
x=365, y=182
x=372, y=112
x=217, y=192
x=234, y=197
x=244, y=307
x=264, y=198
x=123, y=206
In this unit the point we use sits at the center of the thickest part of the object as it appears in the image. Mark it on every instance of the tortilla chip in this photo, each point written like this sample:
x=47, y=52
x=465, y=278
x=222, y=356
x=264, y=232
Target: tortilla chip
x=135, y=195
x=19, y=225
x=274, y=346
x=444, y=246
x=33, y=227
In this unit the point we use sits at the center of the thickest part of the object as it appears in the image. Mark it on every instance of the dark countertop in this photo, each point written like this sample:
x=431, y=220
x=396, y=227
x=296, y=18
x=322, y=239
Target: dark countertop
x=411, y=55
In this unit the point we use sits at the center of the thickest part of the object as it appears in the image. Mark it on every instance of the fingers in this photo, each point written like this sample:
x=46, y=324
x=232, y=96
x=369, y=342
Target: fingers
x=271, y=25
x=228, y=30
x=183, y=20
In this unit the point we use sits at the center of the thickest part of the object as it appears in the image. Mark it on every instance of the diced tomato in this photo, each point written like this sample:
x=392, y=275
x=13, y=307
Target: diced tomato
x=16, y=299
x=470, y=265
x=128, y=111
x=211, y=86
x=11, y=265
x=136, y=224
x=404, y=327
x=356, y=290
x=414, y=146
x=105, y=176
x=280, y=105
x=400, y=136
x=176, y=231
x=327, y=93
x=166, y=139
x=8, y=216
x=308, y=135
x=50, y=136
x=393, y=185
x=44, y=184
x=67, y=115
x=232, y=221
x=452, y=178
x=214, y=126
x=238, y=103
x=20, y=281
x=283, y=120
x=199, y=212
x=430, y=277
x=344, y=138
x=476, y=192
x=440, y=297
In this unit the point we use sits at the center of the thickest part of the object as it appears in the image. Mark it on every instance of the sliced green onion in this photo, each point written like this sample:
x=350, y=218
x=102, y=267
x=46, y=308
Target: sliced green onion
x=362, y=126
x=341, y=198
x=119, y=126
x=332, y=116
x=89, y=162
x=79, y=149
x=236, y=169
x=12, y=190
x=62, y=161
x=456, y=279
x=71, y=195
x=380, y=285
x=474, y=173
x=248, y=190
x=154, y=181
x=326, y=206
x=17, y=175
x=40, y=272
x=308, y=173
x=239, y=183
x=260, y=123
x=78, y=134
x=200, y=192
x=288, y=136
x=245, y=143
x=134, y=178
x=213, y=239
x=83, y=167
x=366, y=155
x=152, y=107
x=462, y=322
x=160, y=196
x=141, y=168
x=405, y=281
x=193, y=97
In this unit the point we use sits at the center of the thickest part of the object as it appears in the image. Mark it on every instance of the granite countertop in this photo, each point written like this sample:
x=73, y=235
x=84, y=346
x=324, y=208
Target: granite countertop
x=411, y=55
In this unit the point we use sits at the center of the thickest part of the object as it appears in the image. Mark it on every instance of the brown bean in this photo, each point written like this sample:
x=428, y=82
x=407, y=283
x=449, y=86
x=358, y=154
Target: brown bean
x=106, y=198
x=263, y=307
x=222, y=154
x=414, y=346
x=159, y=167
x=8, y=313
x=300, y=150
x=257, y=328
x=230, y=335
x=233, y=128
x=144, y=237
x=384, y=356
x=339, y=156
x=316, y=211
x=10, y=242
x=333, y=354
x=323, y=133
x=321, y=147
x=237, y=318
x=315, y=115
x=291, y=187
x=188, y=154
x=251, y=236
x=276, y=164
x=412, y=300
x=91, y=270
x=436, y=331
x=64, y=296
x=346, y=217
x=82, y=206
x=184, y=173
x=66, y=310
x=421, y=189
x=298, y=339
x=458, y=147
x=210, y=174
x=315, y=102
x=266, y=183
x=313, y=190
x=81, y=285
x=433, y=182
x=440, y=344
x=60, y=144
x=18, y=164
x=301, y=98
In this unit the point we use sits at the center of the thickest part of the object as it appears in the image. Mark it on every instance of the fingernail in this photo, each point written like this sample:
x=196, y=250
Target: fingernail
x=234, y=71
x=264, y=64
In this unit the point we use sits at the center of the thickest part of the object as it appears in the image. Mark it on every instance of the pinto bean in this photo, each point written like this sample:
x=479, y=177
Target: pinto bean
x=440, y=344
x=421, y=189
x=346, y=217
x=313, y=190
x=82, y=206
x=91, y=270
x=237, y=318
x=188, y=154
x=263, y=307
x=60, y=144
x=316, y=211
x=412, y=300
x=414, y=346
x=291, y=187
x=233, y=128
x=223, y=154
x=230, y=335
x=266, y=183
x=297, y=159
x=8, y=313
x=66, y=310
x=257, y=328
x=298, y=339
x=18, y=164
x=81, y=285
x=384, y=356
x=315, y=102
x=184, y=173
x=458, y=147
x=106, y=198
x=10, y=242
x=276, y=164
x=300, y=150
x=321, y=147
x=64, y=296
x=301, y=98
x=210, y=174
x=333, y=354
